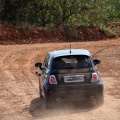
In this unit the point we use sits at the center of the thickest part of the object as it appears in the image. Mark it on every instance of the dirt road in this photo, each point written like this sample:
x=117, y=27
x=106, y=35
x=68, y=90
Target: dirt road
x=19, y=85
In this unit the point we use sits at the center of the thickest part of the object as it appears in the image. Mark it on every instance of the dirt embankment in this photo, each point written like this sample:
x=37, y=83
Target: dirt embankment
x=15, y=35
x=19, y=84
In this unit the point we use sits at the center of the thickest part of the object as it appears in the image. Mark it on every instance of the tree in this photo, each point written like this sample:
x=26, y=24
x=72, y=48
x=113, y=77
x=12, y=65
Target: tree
x=57, y=12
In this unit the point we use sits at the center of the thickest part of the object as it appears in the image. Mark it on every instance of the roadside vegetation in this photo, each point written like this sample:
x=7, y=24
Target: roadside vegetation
x=26, y=15
x=57, y=12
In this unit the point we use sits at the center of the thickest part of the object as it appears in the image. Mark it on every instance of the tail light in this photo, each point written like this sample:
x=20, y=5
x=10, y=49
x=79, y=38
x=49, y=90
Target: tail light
x=95, y=77
x=52, y=80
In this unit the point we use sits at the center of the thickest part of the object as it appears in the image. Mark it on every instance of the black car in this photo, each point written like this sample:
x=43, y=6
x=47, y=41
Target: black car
x=70, y=75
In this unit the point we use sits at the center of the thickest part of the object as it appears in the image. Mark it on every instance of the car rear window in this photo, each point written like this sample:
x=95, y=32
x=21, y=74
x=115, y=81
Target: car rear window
x=72, y=62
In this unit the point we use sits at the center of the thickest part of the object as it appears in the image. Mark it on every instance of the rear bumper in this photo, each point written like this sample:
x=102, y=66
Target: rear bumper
x=75, y=93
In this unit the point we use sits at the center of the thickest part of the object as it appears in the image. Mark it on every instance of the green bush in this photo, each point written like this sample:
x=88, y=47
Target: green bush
x=71, y=32
x=26, y=27
x=110, y=31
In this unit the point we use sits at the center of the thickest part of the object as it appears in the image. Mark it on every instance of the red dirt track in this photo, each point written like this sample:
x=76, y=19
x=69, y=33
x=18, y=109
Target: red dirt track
x=19, y=84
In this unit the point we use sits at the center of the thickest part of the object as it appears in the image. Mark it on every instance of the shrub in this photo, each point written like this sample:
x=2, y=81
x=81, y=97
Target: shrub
x=110, y=31
x=71, y=32
x=26, y=27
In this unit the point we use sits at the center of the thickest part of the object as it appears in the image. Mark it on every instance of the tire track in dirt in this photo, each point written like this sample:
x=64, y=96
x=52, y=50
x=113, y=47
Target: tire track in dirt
x=17, y=91
x=6, y=94
x=19, y=85
x=111, y=67
x=23, y=85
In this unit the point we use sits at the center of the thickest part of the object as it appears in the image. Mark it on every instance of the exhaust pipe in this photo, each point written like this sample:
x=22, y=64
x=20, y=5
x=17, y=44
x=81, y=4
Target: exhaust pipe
x=92, y=97
x=58, y=99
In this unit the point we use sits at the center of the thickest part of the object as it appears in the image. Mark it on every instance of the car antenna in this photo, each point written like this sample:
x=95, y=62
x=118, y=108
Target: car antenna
x=70, y=48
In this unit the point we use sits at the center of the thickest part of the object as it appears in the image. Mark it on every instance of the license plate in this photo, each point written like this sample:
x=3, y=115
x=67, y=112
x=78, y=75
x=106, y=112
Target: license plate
x=74, y=78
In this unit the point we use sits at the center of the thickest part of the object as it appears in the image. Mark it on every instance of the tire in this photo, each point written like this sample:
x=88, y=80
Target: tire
x=48, y=104
x=40, y=92
x=100, y=100
x=48, y=101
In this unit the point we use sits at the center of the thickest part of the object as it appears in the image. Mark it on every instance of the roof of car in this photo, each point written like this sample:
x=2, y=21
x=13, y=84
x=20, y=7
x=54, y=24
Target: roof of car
x=58, y=53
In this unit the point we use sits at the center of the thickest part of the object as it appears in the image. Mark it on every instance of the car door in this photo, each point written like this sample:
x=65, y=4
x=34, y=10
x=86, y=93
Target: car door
x=45, y=70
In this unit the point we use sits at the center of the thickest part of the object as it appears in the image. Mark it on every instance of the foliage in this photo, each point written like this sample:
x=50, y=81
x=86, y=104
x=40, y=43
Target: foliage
x=26, y=28
x=110, y=31
x=71, y=32
x=57, y=12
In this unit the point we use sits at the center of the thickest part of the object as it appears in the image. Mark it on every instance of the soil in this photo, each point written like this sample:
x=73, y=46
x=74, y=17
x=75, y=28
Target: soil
x=19, y=96
x=15, y=35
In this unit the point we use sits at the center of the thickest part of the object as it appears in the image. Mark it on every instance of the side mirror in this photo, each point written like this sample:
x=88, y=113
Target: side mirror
x=96, y=61
x=38, y=65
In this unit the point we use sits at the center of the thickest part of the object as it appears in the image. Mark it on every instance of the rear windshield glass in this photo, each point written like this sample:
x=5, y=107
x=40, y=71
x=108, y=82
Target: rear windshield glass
x=71, y=62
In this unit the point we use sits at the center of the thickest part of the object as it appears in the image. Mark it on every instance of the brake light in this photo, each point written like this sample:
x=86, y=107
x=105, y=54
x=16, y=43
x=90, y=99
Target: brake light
x=94, y=77
x=52, y=80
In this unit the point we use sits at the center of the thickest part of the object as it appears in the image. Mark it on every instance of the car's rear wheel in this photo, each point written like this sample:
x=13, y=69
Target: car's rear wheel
x=48, y=104
x=100, y=100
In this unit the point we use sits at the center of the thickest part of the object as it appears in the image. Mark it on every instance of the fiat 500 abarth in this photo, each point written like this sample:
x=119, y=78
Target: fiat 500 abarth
x=69, y=75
